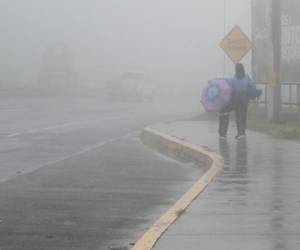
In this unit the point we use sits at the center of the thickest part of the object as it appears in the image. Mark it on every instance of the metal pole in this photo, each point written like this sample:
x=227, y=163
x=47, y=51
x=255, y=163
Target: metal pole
x=276, y=40
x=224, y=33
x=298, y=102
x=290, y=95
x=266, y=98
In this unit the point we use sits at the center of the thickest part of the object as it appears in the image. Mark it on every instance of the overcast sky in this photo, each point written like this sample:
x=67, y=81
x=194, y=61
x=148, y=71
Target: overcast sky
x=169, y=40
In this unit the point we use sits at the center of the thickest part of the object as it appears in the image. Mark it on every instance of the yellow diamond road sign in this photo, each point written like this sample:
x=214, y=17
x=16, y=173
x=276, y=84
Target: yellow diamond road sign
x=236, y=44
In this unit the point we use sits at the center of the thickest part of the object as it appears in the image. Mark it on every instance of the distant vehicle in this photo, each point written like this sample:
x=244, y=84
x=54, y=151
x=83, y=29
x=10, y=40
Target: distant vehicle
x=130, y=86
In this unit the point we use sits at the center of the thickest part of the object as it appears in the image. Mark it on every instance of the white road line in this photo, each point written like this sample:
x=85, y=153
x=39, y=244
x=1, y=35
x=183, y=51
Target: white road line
x=63, y=125
x=67, y=157
x=12, y=110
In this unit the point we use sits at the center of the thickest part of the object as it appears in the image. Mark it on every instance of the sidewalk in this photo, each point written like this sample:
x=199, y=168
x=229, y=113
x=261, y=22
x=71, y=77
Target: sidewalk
x=253, y=204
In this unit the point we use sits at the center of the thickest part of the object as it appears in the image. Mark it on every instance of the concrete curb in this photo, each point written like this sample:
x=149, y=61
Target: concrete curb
x=182, y=150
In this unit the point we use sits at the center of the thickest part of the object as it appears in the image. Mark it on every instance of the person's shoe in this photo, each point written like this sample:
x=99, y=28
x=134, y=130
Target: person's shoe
x=240, y=137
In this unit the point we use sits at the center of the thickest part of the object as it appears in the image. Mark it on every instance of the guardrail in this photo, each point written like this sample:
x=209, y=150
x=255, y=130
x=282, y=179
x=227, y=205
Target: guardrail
x=290, y=93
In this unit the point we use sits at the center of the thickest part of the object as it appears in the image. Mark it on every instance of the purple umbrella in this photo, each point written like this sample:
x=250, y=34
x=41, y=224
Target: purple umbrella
x=216, y=95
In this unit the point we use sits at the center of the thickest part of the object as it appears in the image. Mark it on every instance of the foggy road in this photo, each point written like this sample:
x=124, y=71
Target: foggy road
x=73, y=171
x=74, y=174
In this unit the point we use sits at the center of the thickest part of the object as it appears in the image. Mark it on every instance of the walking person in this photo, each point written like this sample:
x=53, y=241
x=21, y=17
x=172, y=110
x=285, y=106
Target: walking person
x=242, y=86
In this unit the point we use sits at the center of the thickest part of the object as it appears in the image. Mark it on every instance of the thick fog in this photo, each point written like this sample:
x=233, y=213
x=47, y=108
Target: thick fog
x=173, y=42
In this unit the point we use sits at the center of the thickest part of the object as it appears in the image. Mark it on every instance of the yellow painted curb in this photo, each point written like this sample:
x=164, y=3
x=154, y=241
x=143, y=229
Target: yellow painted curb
x=148, y=240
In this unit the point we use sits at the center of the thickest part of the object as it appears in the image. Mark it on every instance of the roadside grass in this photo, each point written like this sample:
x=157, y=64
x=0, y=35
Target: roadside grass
x=287, y=128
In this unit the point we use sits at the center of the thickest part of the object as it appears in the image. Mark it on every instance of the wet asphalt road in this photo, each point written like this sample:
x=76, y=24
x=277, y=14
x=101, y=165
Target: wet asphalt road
x=74, y=174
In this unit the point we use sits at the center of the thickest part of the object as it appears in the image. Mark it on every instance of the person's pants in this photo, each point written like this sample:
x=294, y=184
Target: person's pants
x=241, y=108
x=224, y=120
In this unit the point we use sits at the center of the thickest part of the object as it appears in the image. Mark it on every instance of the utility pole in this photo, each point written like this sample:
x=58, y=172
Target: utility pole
x=224, y=31
x=275, y=86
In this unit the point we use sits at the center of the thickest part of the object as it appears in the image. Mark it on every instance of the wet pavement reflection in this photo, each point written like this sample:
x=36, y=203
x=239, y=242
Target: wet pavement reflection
x=237, y=164
x=254, y=201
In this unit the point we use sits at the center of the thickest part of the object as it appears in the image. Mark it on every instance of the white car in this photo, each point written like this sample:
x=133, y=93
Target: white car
x=131, y=86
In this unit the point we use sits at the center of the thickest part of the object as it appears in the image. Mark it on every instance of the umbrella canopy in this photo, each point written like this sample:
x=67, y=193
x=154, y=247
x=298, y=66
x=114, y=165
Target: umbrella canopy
x=216, y=95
